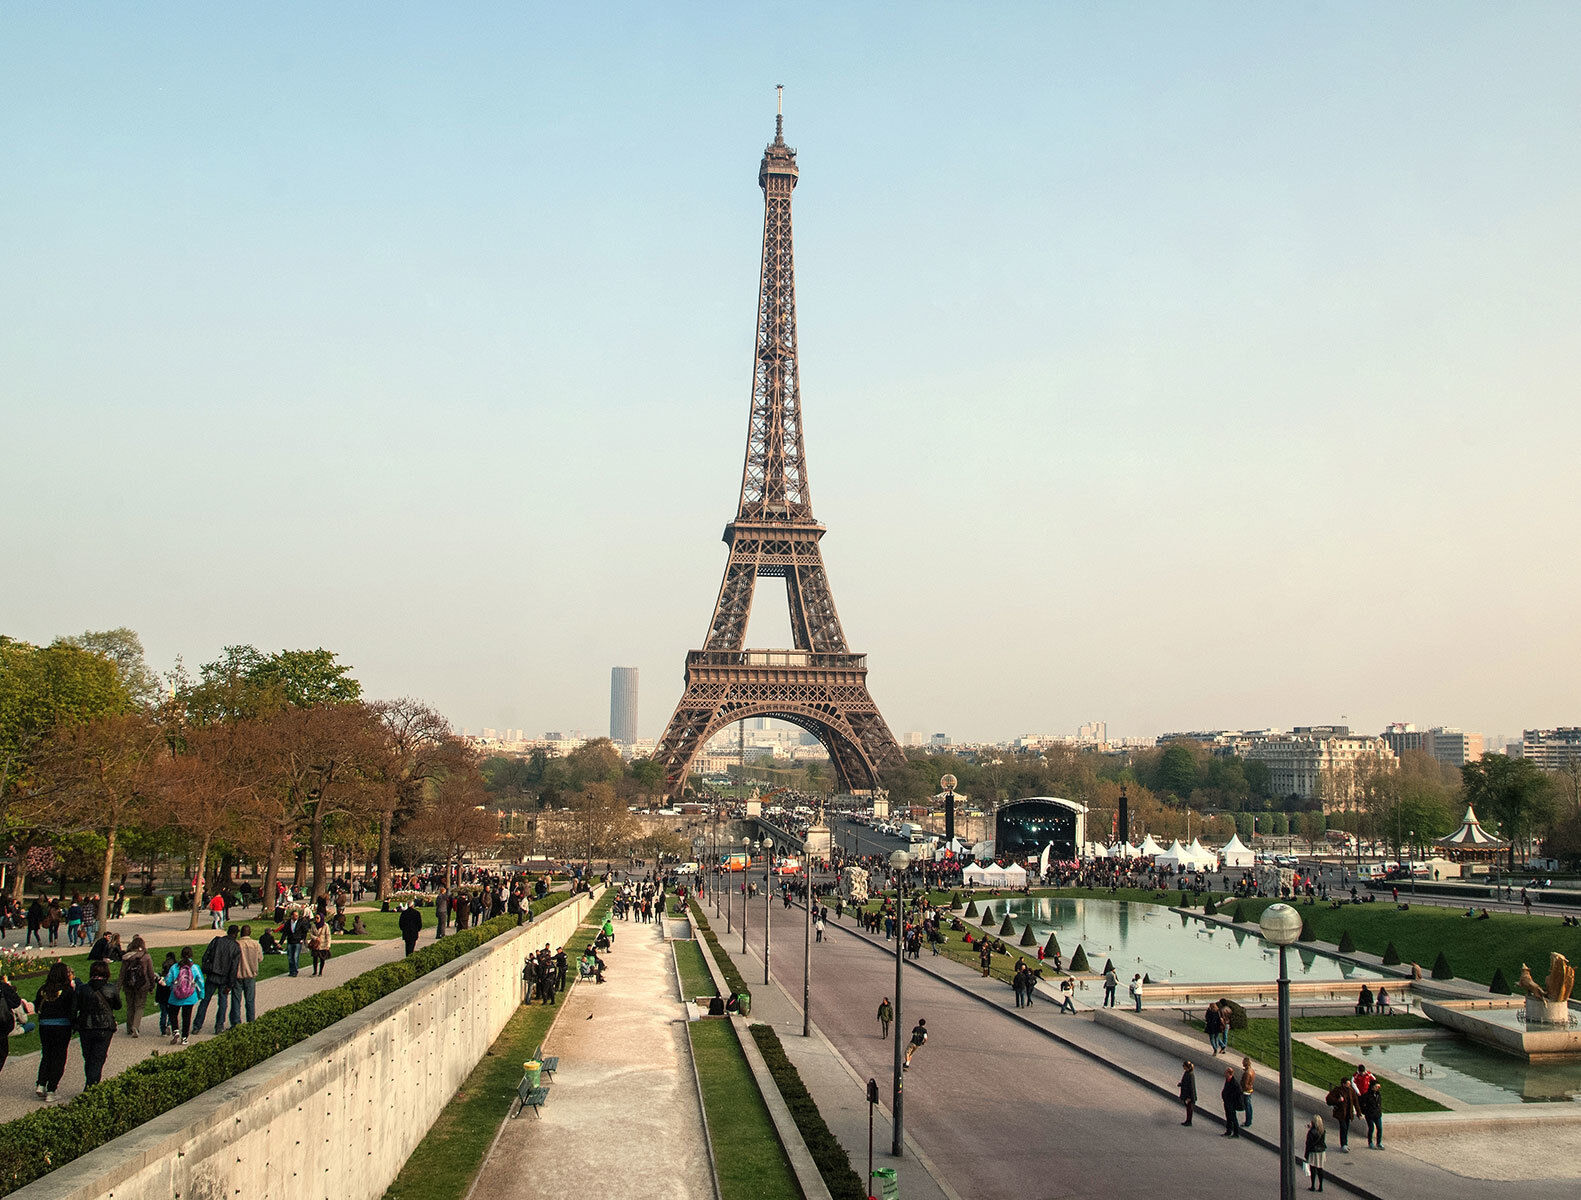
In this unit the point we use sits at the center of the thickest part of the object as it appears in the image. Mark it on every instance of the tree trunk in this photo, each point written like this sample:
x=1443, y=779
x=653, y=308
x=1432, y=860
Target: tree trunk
x=316, y=842
x=104, y=884
x=203, y=863
x=271, y=872
x=386, y=823
x=299, y=872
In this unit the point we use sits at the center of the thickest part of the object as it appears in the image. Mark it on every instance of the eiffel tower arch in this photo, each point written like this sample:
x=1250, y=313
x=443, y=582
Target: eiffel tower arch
x=819, y=685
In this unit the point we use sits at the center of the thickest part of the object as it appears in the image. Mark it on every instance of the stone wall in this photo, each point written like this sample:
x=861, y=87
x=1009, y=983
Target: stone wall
x=335, y=1116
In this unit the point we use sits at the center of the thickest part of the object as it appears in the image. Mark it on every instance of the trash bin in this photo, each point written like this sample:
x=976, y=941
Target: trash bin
x=744, y=1001
x=886, y=1184
x=533, y=1069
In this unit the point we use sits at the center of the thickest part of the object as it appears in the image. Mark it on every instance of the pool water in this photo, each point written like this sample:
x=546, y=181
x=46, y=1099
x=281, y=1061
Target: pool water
x=1476, y=1074
x=1166, y=946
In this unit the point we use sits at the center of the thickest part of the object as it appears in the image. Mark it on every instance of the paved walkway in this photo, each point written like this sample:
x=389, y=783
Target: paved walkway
x=623, y=1117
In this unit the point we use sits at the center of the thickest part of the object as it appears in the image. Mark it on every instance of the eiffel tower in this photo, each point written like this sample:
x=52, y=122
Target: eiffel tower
x=819, y=685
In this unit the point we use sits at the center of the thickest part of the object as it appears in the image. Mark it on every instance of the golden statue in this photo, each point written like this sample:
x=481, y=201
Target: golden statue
x=1561, y=980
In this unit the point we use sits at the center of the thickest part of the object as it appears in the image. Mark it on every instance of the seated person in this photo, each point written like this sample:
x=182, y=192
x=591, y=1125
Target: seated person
x=1484, y=915
x=1364, y=1001
x=1471, y=912
x=270, y=944
x=1383, y=1000
x=733, y=1005
x=601, y=942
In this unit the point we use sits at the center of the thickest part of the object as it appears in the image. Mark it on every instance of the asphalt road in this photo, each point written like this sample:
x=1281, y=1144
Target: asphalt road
x=1004, y=1113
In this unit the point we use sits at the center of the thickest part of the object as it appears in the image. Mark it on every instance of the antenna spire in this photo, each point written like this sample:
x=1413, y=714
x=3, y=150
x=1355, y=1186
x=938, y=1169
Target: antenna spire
x=779, y=115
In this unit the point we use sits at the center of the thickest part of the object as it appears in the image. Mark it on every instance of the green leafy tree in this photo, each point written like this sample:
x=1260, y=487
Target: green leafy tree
x=1512, y=791
x=1177, y=771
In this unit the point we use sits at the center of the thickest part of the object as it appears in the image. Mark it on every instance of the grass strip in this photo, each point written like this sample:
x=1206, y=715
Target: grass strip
x=695, y=979
x=34, y=1145
x=750, y=1160
x=834, y=1164
x=450, y=1156
x=727, y=966
x=1260, y=1040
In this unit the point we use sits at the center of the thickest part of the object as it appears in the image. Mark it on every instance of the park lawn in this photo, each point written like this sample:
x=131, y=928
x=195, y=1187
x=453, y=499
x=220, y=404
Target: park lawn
x=272, y=966
x=1260, y=1040
x=956, y=949
x=751, y=1162
x=1475, y=949
x=695, y=979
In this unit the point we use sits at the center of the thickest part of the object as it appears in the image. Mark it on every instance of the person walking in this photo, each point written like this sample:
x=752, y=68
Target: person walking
x=56, y=1004
x=411, y=923
x=1230, y=1094
x=1372, y=1113
x=137, y=980
x=1067, y=995
x=319, y=942
x=441, y=912
x=36, y=912
x=296, y=930
x=1188, y=1089
x=1316, y=1150
x=1136, y=991
x=1341, y=1100
x=185, y=984
x=97, y=1001
x=221, y=959
x=919, y=1037
x=1213, y=1023
x=886, y=1014
x=247, y=976
x=1111, y=984
x=11, y=1003
x=217, y=910
x=167, y=1015
x=1248, y=1082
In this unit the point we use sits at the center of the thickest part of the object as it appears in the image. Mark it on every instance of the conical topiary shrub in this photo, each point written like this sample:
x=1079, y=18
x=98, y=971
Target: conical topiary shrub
x=1500, y=985
x=1347, y=944
x=1307, y=934
x=971, y=908
x=1051, y=947
x=1147, y=978
x=1008, y=927
x=1391, y=956
x=1441, y=969
x=955, y=901
x=1108, y=965
x=1209, y=908
x=1239, y=914
x=1185, y=900
x=1028, y=938
x=988, y=915
x=1078, y=961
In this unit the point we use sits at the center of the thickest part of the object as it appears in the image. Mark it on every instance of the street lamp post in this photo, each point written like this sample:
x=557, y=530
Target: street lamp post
x=1281, y=925
x=750, y=847
x=768, y=900
x=806, y=948
x=1410, y=864
x=898, y=862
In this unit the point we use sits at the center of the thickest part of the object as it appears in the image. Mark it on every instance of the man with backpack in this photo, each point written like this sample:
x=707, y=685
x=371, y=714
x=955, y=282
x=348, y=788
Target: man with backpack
x=221, y=961
x=137, y=980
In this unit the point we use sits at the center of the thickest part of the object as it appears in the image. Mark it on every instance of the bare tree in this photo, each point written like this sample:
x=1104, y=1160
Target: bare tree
x=456, y=820
x=418, y=748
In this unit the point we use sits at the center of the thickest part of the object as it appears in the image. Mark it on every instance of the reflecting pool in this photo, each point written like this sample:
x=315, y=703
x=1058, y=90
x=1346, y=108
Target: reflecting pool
x=1473, y=1073
x=1164, y=945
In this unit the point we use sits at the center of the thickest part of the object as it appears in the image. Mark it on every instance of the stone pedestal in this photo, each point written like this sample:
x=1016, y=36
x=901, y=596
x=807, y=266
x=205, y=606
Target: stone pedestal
x=819, y=841
x=1546, y=1012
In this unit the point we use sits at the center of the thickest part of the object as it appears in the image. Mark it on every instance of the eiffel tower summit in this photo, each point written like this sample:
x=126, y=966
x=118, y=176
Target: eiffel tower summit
x=820, y=684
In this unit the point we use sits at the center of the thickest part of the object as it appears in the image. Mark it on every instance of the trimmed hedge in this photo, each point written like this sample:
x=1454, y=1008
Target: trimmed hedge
x=1347, y=944
x=1078, y=961
x=726, y=965
x=1009, y=926
x=1051, y=947
x=1441, y=969
x=1391, y=956
x=1028, y=938
x=1500, y=985
x=35, y=1144
x=1209, y=908
x=955, y=901
x=834, y=1164
x=971, y=908
x=1307, y=934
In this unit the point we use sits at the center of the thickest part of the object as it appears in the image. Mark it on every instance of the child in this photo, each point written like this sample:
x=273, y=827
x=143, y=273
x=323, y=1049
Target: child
x=167, y=1017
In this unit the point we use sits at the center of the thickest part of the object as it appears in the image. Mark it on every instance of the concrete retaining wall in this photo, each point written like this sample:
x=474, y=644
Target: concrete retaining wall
x=335, y=1116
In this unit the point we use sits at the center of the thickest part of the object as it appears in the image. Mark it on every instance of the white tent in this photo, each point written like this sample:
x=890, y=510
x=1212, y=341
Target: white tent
x=1201, y=857
x=976, y=874
x=1235, y=853
x=1093, y=850
x=1176, y=856
x=1150, y=848
x=1015, y=875
x=1125, y=850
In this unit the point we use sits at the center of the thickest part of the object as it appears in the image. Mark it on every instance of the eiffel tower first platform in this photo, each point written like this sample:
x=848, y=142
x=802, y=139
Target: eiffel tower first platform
x=819, y=685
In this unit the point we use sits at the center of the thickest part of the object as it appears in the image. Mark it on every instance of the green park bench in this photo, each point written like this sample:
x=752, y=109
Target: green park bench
x=530, y=1097
x=550, y=1064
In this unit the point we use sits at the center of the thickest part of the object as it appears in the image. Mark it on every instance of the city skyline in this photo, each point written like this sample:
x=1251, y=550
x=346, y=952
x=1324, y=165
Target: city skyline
x=1207, y=371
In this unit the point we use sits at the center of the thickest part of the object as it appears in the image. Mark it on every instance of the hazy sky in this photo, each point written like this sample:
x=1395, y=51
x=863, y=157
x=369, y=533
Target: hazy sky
x=1178, y=365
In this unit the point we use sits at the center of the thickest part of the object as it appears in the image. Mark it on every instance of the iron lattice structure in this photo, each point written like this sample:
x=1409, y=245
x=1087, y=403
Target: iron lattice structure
x=819, y=685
